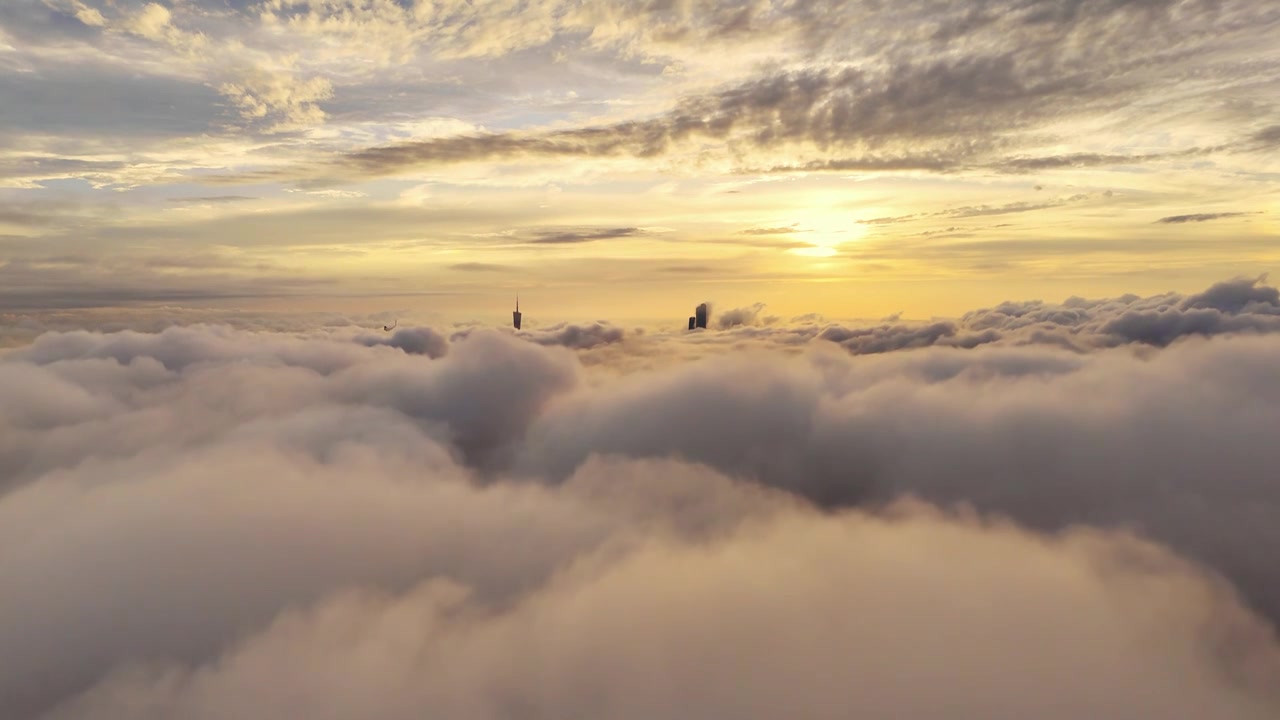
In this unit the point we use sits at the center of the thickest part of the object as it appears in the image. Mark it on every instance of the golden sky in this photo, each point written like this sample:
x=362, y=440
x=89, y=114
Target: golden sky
x=628, y=159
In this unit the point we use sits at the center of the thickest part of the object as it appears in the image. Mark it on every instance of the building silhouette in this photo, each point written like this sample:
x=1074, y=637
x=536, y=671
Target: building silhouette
x=693, y=322
x=700, y=316
x=515, y=316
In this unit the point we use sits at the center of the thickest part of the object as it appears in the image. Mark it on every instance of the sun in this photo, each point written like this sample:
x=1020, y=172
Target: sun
x=826, y=231
x=818, y=251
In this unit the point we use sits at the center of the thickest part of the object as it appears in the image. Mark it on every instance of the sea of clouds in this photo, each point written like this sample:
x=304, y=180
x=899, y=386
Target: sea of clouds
x=1036, y=510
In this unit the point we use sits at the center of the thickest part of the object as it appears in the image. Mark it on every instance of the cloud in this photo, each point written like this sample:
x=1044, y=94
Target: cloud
x=675, y=628
x=569, y=335
x=740, y=316
x=1201, y=217
x=210, y=521
x=80, y=282
x=573, y=236
x=579, y=336
x=1240, y=305
x=1024, y=164
x=974, y=211
x=784, y=230
x=282, y=86
x=821, y=108
x=415, y=341
x=892, y=337
x=973, y=87
x=479, y=267
x=213, y=199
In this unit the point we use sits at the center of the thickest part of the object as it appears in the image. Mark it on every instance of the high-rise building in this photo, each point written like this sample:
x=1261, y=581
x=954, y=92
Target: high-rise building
x=692, y=322
x=515, y=316
x=700, y=316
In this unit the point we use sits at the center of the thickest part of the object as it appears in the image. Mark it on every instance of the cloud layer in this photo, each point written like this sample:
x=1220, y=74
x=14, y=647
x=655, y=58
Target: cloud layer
x=1241, y=305
x=210, y=522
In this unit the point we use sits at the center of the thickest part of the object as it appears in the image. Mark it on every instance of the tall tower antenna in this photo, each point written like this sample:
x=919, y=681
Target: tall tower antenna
x=515, y=315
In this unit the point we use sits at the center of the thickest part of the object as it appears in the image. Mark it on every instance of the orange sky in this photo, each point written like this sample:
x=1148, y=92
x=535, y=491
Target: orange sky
x=610, y=159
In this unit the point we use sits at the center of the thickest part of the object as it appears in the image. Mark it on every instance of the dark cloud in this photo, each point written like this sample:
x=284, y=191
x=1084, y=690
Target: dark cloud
x=1267, y=137
x=825, y=108
x=1242, y=305
x=972, y=211
x=1238, y=306
x=910, y=86
x=759, y=241
x=479, y=267
x=892, y=337
x=213, y=199
x=688, y=269
x=582, y=235
x=1201, y=217
x=953, y=94
x=1242, y=295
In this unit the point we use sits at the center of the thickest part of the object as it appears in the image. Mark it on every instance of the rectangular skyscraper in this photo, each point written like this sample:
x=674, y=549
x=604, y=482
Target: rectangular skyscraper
x=515, y=315
x=700, y=316
x=693, y=322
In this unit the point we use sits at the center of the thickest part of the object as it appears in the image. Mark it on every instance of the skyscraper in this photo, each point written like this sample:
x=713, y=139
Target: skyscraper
x=692, y=322
x=515, y=316
x=700, y=316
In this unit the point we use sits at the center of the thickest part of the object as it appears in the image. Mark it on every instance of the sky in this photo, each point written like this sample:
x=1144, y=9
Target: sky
x=628, y=160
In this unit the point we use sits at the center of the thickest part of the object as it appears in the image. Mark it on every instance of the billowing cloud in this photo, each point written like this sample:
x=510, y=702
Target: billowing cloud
x=415, y=341
x=1086, y=623
x=741, y=316
x=888, y=338
x=579, y=336
x=211, y=522
x=1240, y=305
x=575, y=336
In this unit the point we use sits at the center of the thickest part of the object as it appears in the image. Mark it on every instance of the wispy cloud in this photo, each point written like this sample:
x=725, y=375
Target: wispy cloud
x=581, y=235
x=1199, y=217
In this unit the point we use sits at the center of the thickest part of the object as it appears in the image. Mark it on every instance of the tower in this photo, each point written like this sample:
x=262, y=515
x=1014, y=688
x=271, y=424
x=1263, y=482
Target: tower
x=515, y=316
x=700, y=316
x=693, y=322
